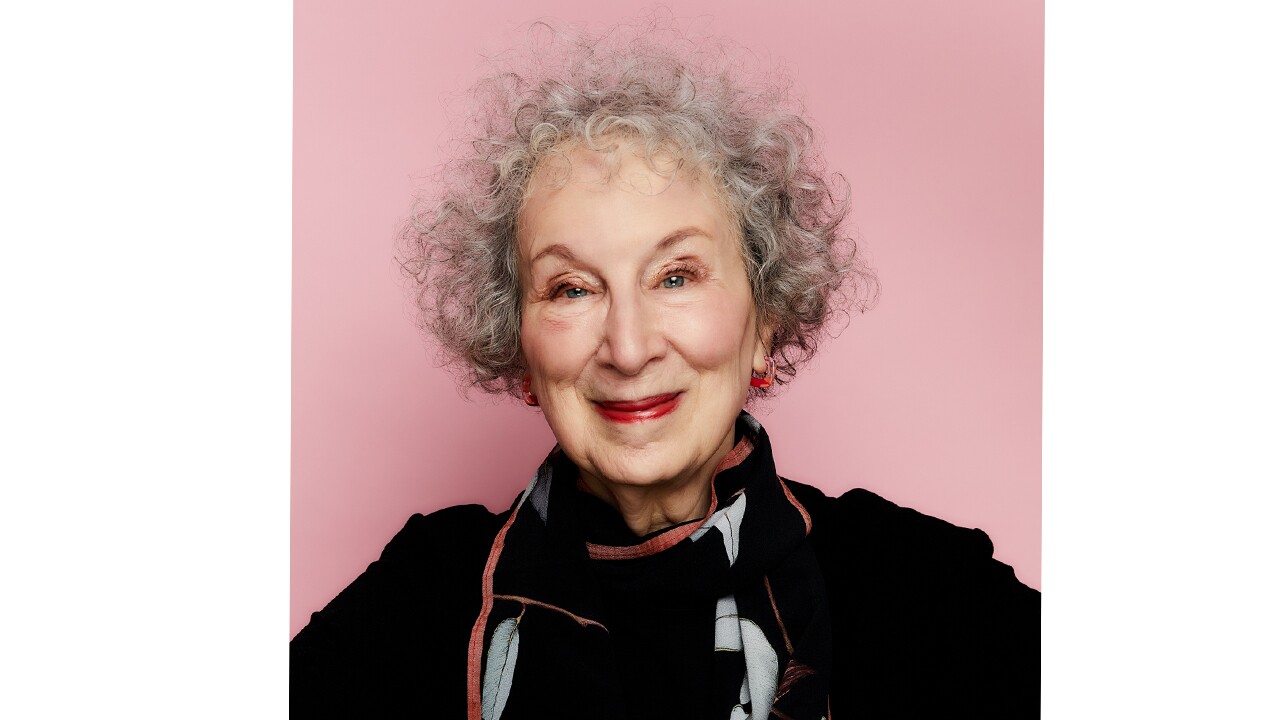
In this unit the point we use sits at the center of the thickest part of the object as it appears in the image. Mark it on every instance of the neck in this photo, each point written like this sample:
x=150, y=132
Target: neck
x=649, y=508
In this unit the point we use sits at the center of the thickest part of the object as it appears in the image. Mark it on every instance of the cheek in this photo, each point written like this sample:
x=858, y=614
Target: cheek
x=715, y=334
x=556, y=349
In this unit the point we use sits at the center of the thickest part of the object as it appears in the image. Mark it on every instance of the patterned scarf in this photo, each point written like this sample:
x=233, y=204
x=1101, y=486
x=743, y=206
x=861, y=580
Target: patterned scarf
x=541, y=600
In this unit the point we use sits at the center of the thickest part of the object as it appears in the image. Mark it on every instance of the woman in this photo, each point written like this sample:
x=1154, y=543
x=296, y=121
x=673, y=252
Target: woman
x=641, y=241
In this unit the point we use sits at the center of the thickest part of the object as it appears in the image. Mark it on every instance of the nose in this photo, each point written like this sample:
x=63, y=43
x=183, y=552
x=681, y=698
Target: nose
x=633, y=335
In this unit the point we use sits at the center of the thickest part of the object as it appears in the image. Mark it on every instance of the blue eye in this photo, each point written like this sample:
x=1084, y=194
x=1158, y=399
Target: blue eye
x=574, y=293
x=674, y=281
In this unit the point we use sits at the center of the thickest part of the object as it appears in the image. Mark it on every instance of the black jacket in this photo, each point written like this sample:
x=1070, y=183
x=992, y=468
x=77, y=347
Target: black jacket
x=924, y=622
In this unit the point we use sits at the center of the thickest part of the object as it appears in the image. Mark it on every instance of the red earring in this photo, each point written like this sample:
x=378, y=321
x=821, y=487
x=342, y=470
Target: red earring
x=764, y=380
x=526, y=387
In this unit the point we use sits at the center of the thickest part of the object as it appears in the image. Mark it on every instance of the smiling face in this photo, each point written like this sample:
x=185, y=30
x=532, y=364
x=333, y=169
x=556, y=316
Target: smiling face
x=638, y=325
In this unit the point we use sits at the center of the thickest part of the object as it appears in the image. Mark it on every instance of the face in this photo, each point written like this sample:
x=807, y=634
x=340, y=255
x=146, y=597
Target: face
x=638, y=326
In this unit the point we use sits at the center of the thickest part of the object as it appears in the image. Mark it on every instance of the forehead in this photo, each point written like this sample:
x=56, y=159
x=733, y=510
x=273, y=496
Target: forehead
x=581, y=191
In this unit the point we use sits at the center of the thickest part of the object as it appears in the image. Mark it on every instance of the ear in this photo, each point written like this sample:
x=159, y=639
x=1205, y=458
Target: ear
x=764, y=345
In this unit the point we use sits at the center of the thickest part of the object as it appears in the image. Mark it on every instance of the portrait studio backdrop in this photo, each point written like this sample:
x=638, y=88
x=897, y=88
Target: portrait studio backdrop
x=931, y=109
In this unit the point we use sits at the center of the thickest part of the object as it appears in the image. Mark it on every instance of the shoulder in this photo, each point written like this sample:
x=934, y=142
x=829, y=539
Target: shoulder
x=437, y=554
x=395, y=639
x=429, y=562
x=453, y=533
x=924, y=620
x=860, y=525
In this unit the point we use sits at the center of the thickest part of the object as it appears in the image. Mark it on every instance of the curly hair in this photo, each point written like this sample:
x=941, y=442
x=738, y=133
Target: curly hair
x=653, y=85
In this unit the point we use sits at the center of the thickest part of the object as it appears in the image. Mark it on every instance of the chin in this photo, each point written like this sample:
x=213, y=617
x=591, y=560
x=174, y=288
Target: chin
x=639, y=469
x=632, y=471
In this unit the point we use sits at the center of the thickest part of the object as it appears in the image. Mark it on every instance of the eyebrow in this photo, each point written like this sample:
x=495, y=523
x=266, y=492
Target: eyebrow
x=672, y=238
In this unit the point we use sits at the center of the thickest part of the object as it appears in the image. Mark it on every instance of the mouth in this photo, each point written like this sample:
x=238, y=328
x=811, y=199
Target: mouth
x=634, y=411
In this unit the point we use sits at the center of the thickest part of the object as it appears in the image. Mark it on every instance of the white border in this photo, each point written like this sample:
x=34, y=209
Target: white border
x=1161, y=358
x=144, y=280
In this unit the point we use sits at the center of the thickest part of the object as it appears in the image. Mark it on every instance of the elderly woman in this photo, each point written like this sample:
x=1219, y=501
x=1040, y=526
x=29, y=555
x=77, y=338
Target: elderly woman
x=643, y=241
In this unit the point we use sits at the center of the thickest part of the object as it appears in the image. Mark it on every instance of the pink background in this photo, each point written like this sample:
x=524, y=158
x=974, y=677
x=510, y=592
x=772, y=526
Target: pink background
x=931, y=108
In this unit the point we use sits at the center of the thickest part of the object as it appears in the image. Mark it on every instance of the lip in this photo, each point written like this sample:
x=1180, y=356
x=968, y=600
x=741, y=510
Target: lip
x=633, y=411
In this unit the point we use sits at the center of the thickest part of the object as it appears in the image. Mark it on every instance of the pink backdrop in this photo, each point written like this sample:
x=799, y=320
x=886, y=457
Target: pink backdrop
x=932, y=109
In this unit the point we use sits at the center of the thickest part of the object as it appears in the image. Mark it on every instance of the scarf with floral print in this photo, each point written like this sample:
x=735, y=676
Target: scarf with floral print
x=749, y=553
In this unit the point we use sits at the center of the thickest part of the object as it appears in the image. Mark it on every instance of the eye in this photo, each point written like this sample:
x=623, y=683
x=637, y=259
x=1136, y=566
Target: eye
x=673, y=281
x=574, y=293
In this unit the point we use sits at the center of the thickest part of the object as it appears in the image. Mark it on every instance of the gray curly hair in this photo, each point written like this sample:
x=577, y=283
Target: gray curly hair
x=657, y=88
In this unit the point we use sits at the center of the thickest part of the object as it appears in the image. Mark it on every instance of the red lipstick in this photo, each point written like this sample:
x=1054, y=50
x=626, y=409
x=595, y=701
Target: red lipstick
x=633, y=411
